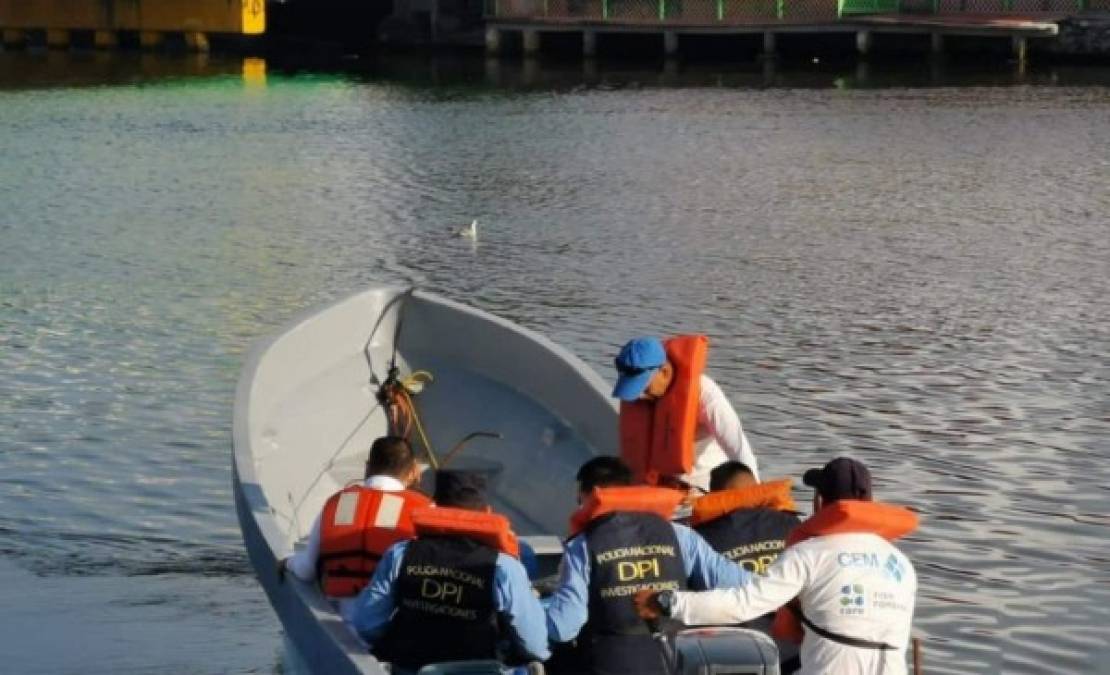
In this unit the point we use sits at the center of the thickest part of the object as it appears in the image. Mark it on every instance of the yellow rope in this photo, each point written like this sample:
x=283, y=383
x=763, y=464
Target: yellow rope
x=409, y=386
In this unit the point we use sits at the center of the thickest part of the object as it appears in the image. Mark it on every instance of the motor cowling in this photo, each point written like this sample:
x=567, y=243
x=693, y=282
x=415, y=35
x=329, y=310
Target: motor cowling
x=720, y=651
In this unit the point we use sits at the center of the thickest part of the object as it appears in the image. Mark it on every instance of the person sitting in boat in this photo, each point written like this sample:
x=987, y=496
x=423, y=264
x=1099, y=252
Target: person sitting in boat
x=455, y=593
x=622, y=541
x=748, y=522
x=855, y=590
x=360, y=522
x=676, y=424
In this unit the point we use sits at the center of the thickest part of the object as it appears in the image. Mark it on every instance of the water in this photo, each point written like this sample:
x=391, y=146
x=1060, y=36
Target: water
x=909, y=265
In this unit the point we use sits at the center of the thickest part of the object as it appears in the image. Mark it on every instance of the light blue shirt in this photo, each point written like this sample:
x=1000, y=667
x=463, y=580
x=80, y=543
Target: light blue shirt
x=568, y=608
x=512, y=593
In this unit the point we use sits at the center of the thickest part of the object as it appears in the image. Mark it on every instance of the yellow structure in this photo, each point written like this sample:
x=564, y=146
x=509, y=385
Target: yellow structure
x=150, y=18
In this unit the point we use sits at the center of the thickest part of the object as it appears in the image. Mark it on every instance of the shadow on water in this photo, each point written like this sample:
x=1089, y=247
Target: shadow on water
x=456, y=73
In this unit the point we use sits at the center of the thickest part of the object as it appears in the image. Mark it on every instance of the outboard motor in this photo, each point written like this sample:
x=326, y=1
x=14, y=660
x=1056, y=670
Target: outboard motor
x=719, y=651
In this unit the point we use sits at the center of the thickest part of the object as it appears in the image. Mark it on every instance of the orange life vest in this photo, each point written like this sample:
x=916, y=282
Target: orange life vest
x=641, y=498
x=844, y=516
x=770, y=495
x=491, y=529
x=357, y=526
x=657, y=437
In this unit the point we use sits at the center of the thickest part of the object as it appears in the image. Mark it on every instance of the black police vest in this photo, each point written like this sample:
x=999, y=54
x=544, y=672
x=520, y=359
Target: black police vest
x=753, y=538
x=628, y=552
x=445, y=604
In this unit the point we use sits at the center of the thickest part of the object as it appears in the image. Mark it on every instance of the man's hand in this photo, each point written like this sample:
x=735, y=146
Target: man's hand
x=647, y=606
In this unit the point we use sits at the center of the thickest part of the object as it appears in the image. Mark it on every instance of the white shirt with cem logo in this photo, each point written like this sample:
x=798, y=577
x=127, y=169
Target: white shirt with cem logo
x=858, y=585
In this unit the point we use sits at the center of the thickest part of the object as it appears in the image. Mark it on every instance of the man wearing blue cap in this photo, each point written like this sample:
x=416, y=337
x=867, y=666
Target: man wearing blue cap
x=646, y=374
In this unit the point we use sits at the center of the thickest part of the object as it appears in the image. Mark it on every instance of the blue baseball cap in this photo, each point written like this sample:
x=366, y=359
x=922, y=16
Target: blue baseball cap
x=636, y=364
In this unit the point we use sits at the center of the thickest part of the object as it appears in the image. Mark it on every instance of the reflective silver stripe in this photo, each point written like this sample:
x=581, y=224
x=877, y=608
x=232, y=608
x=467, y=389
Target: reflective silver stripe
x=346, y=509
x=389, y=512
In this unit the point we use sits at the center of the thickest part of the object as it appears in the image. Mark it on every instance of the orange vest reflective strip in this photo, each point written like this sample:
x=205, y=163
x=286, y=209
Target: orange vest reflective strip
x=845, y=516
x=357, y=525
x=770, y=495
x=657, y=437
x=638, y=499
x=490, y=529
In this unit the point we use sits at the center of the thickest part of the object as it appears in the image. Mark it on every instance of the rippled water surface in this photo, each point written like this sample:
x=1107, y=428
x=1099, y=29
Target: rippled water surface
x=917, y=275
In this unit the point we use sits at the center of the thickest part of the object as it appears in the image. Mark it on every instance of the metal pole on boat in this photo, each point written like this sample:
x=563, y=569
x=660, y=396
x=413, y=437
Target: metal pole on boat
x=466, y=439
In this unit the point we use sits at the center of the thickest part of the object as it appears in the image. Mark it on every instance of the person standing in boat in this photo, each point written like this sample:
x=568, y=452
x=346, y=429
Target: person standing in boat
x=457, y=591
x=855, y=590
x=676, y=424
x=748, y=523
x=622, y=541
x=360, y=522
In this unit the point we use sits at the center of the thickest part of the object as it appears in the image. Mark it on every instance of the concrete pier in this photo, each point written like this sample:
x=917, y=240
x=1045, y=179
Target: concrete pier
x=862, y=30
x=151, y=19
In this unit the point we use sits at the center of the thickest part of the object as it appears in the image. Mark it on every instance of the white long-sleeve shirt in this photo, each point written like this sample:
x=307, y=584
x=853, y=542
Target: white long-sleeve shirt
x=720, y=436
x=857, y=585
x=303, y=563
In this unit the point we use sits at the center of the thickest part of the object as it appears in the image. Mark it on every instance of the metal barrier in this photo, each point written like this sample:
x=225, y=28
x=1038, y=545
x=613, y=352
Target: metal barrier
x=708, y=12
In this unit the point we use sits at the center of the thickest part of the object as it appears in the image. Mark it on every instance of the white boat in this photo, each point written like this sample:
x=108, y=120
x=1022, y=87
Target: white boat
x=306, y=411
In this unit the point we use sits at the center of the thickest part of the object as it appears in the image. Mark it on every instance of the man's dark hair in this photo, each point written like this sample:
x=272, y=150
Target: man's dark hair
x=720, y=477
x=603, y=472
x=461, y=489
x=390, y=456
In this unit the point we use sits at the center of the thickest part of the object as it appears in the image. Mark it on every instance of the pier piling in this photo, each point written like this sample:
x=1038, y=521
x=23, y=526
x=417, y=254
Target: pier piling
x=589, y=44
x=196, y=41
x=936, y=44
x=105, y=39
x=670, y=43
x=769, y=45
x=863, y=42
x=530, y=41
x=493, y=40
x=57, y=38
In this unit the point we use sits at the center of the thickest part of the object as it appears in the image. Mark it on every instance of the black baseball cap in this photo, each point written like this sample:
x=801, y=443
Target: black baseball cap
x=842, y=478
x=460, y=488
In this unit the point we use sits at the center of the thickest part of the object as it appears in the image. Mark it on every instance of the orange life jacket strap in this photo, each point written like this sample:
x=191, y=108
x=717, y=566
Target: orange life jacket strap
x=490, y=529
x=770, y=495
x=640, y=499
x=846, y=516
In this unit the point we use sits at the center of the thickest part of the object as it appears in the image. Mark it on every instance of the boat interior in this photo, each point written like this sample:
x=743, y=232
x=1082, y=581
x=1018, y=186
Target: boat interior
x=316, y=411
